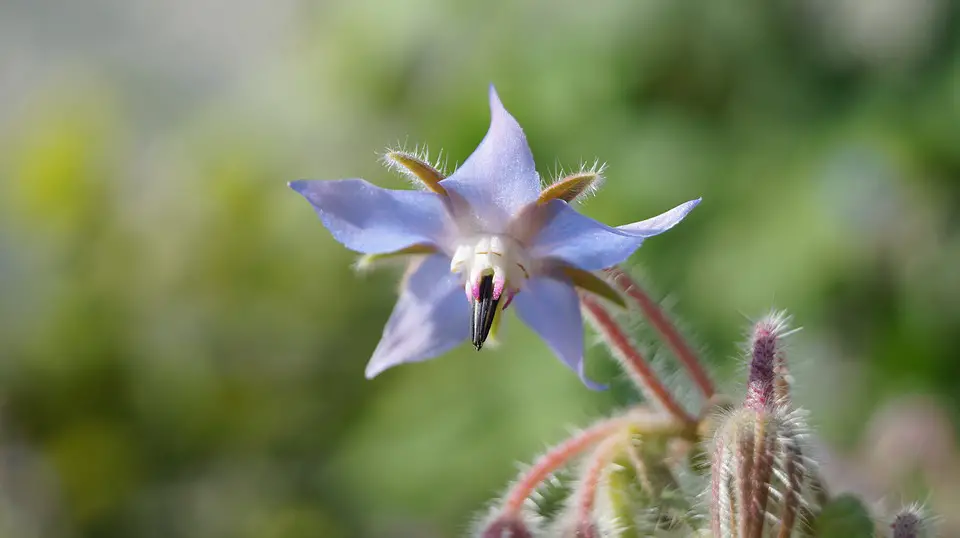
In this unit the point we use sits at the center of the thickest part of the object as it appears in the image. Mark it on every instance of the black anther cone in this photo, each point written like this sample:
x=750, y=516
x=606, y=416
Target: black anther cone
x=484, y=309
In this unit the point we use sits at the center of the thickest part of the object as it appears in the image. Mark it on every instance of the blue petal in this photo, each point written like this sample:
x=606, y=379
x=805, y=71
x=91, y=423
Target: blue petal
x=431, y=317
x=662, y=222
x=373, y=220
x=590, y=245
x=552, y=309
x=500, y=177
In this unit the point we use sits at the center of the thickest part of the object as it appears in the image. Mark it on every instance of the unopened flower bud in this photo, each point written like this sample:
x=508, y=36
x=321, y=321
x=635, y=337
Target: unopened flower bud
x=745, y=451
x=587, y=530
x=910, y=523
x=506, y=526
x=768, y=384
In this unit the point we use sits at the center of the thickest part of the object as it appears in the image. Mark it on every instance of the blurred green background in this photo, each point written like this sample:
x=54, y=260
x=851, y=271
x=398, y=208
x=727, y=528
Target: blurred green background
x=182, y=344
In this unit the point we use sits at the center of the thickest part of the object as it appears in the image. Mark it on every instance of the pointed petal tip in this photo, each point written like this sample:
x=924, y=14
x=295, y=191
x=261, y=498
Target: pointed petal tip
x=492, y=93
x=496, y=105
x=662, y=222
x=500, y=176
x=371, y=371
x=376, y=365
x=593, y=385
x=686, y=207
x=298, y=185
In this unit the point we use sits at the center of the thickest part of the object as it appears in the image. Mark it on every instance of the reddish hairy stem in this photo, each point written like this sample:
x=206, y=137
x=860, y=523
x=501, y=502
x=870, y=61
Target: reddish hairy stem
x=634, y=361
x=638, y=420
x=662, y=324
x=587, y=494
x=558, y=457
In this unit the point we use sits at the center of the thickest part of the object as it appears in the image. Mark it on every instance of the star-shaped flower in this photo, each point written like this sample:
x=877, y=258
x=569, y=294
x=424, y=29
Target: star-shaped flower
x=487, y=230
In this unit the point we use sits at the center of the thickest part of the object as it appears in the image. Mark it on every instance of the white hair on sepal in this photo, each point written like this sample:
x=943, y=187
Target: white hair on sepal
x=575, y=186
x=414, y=164
x=596, y=168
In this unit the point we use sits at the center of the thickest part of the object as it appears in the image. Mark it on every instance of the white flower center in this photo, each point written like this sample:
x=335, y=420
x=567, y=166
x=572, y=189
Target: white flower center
x=499, y=256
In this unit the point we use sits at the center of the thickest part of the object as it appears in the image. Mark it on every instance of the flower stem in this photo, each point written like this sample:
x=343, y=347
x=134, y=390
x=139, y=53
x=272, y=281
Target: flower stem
x=556, y=458
x=662, y=324
x=636, y=365
x=586, y=496
x=641, y=420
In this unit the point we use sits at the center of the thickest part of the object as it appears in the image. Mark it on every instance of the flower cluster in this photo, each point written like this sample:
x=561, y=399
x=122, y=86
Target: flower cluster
x=734, y=469
x=728, y=468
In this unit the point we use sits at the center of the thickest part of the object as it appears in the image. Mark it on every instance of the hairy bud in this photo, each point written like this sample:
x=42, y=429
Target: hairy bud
x=587, y=530
x=744, y=453
x=758, y=465
x=910, y=523
x=769, y=383
x=506, y=526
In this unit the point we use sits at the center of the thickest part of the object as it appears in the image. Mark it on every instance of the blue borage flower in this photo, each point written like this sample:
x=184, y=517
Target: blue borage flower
x=487, y=230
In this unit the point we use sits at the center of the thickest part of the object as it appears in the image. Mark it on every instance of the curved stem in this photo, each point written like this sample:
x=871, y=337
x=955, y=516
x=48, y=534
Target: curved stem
x=642, y=421
x=662, y=324
x=636, y=365
x=556, y=458
x=586, y=495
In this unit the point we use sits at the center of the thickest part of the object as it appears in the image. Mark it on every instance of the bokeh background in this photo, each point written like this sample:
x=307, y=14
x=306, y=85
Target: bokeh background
x=182, y=344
